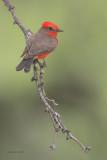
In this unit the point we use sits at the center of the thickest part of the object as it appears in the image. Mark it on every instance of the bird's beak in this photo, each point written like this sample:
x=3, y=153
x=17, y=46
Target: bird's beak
x=59, y=30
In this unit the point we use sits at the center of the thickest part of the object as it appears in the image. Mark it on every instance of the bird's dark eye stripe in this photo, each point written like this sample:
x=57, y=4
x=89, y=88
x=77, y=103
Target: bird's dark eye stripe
x=50, y=28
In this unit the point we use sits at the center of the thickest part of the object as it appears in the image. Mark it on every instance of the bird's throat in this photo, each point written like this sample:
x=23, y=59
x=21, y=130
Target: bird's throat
x=52, y=34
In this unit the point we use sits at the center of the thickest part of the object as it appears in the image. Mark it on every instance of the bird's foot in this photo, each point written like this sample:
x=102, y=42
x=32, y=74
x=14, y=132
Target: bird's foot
x=42, y=64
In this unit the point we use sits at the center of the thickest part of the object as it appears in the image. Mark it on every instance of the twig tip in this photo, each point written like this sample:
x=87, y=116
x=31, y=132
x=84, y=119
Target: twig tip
x=52, y=147
x=87, y=149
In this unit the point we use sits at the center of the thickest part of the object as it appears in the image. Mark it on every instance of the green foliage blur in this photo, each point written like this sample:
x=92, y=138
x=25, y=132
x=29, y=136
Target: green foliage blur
x=76, y=76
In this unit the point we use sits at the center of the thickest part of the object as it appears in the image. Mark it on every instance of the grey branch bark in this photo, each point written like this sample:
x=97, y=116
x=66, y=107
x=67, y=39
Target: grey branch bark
x=55, y=117
x=38, y=77
x=17, y=21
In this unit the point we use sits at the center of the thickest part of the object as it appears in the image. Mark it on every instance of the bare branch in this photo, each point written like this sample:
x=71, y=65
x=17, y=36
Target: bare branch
x=42, y=66
x=55, y=117
x=11, y=8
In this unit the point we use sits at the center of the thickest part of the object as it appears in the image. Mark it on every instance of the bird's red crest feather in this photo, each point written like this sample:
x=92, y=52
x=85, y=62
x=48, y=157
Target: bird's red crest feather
x=50, y=24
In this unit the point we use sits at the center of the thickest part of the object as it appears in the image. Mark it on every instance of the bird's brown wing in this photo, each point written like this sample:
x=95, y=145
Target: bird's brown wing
x=39, y=48
x=29, y=45
x=34, y=53
x=39, y=44
x=24, y=52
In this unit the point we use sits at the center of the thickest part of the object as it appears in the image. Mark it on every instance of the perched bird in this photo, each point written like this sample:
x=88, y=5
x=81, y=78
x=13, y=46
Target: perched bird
x=39, y=45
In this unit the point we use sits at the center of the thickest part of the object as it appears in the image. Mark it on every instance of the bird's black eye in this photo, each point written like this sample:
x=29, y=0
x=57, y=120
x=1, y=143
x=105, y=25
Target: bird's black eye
x=50, y=28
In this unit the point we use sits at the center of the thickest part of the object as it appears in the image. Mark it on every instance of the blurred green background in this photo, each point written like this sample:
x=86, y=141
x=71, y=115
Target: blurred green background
x=76, y=77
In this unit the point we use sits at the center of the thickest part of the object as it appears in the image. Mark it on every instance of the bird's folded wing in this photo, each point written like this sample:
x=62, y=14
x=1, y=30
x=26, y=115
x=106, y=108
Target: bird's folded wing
x=39, y=45
x=24, y=52
x=32, y=52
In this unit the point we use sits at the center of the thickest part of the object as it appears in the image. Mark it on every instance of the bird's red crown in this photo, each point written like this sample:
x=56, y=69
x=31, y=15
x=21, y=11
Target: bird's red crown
x=48, y=24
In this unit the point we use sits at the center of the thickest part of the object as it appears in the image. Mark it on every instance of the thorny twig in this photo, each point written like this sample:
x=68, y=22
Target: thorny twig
x=42, y=66
x=38, y=78
x=57, y=122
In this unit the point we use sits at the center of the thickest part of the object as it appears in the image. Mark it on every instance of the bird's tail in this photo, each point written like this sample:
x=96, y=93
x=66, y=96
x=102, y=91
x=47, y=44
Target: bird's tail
x=25, y=64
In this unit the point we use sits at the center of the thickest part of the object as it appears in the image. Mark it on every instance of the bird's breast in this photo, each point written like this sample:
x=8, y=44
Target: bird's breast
x=42, y=56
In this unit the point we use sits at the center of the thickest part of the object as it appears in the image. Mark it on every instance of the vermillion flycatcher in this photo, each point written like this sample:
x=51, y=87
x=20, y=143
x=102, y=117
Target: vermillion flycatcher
x=39, y=45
